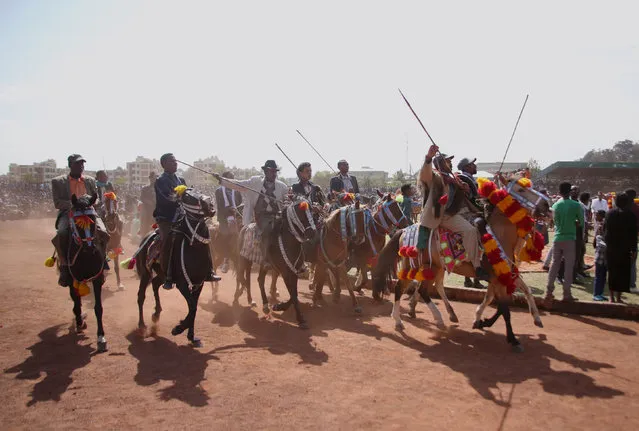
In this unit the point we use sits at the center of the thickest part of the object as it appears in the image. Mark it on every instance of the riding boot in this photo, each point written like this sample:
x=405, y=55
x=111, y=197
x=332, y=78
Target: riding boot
x=168, y=281
x=211, y=276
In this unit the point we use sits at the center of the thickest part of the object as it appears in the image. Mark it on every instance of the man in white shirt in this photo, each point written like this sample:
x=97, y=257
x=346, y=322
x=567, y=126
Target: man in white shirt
x=344, y=182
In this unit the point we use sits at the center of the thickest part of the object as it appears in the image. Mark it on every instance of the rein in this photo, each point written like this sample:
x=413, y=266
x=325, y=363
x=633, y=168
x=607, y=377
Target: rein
x=294, y=224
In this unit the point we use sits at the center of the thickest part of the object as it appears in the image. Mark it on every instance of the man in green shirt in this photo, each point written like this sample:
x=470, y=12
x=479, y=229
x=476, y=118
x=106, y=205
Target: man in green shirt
x=565, y=213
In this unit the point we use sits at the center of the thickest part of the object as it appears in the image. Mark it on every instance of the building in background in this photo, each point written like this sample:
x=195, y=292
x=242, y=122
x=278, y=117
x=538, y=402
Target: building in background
x=369, y=178
x=36, y=173
x=493, y=167
x=138, y=171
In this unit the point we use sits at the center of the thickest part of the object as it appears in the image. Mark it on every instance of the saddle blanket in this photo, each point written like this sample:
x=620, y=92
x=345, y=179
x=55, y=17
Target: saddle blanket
x=451, y=248
x=251, y=247
x=154, y=250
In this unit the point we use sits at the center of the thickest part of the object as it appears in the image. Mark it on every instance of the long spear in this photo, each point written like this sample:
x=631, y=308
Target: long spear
x=513, y=135
x=415, y=114
x=311, y=145
x=287, y=157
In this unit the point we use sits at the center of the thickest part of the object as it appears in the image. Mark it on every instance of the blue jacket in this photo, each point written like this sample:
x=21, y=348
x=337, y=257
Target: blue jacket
x=166, y=205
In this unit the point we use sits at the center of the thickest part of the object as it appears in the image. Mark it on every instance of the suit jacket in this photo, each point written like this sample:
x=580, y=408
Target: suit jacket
x=472, y=183
x=337, y=185
x=315, y=196
x=166, y=205
x=254, y=183
x=223, y=211
x=62, y=193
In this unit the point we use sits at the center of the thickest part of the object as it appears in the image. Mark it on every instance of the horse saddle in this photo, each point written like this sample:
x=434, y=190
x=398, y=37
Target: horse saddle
x=448, y=244
x=153, y=251
x=251, y=247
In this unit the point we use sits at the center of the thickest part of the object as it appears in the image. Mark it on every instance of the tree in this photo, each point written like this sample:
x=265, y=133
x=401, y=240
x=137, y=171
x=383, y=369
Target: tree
x=534, y=167
x=625, y=151
x=322, y=179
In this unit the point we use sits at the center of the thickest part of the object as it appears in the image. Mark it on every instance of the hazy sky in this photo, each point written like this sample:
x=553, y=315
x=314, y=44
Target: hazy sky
x=116, y=79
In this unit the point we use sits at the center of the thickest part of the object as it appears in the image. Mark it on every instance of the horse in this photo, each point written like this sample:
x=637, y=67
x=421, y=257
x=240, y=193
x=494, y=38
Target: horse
x=344, y=227
x=294, y=227
x=387, y=217
x=189, y=262
x=114, y=226
x=504, y=232
x=86, y=256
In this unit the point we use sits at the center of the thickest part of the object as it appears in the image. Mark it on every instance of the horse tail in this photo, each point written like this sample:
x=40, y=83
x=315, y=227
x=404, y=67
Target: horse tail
x=237, y=261
x=386, y=261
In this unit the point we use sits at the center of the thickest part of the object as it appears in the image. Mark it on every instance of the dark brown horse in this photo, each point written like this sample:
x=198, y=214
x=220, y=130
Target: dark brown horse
x=85, y=257
x=190, y=262
x=115, y=227
x=285, y=253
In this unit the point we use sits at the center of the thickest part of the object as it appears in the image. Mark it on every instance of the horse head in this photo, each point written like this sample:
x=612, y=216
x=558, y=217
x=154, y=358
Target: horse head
x=392, y=212
x=357, y=222
x=111, y=216
x=521, y=189
x=82, y=218
x=300, y=219
x=195, y=204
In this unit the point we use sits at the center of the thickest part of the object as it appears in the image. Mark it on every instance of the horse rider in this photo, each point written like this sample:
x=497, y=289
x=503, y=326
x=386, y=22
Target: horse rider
x=467, y=171
x=147, y=197
x=62, y=189
x=437, y=180
x=167, y=212
x=104, y=186
x=264, y=194
x=227, y=200
x=306, y=188
x=343, y=182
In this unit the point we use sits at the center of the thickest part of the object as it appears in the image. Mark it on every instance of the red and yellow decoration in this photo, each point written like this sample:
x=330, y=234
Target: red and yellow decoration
x=83, y=221
x=110, y=196
x=50, y=261
x=531, y=252
x=179, y=190
x=81, y=287
x=421, y=274
x=503, y=271
x=303, y=205
x=508, y=205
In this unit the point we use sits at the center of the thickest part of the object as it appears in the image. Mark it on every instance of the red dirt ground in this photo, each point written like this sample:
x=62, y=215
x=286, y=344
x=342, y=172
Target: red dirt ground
x=346, y=372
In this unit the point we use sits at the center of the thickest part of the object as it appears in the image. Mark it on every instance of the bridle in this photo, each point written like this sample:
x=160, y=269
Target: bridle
x=297, y=229
x=386, y=218
x=87, y=221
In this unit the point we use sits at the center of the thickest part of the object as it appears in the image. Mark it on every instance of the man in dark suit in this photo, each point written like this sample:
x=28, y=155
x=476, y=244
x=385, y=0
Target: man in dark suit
x=62, y=188
x=305, y=187
x=227, y=200
x=166, y=213
x=468, y=169
x=343, y=182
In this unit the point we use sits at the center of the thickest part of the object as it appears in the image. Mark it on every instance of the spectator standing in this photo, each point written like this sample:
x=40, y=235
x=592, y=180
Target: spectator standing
x=632, y=195
x=407, y=201
x=565, y=212
x=621, y=246
x=601, y=267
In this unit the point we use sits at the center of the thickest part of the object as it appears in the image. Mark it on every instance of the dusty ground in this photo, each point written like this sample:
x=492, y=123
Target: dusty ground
x=346, y=372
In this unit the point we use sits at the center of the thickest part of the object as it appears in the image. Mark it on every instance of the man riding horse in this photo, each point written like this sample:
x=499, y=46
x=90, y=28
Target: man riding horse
x=306, y=188
x=445, y=200
x=167, y=213
x=264, y=195
x=62, y=189
x=227, y=201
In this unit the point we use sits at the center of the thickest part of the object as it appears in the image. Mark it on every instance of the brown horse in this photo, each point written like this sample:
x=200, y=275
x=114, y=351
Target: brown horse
x=344, y=227
x=114, y=226
x=505, y=232
x=286, y=255
x=387, y=217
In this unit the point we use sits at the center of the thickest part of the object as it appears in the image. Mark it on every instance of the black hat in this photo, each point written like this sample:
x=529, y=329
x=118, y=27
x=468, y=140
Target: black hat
x=270, y=164
x=465, y=162
x=73, y=158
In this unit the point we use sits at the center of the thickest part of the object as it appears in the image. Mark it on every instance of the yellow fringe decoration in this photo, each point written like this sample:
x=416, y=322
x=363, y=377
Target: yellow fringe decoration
x=179, y=190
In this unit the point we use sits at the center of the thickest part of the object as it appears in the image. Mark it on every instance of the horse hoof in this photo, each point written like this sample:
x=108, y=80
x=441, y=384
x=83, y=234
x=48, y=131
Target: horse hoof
x=102, y=347
x=477, y=324
x=412, y=314
x=178, y=330
x=155, y=317
x=358, y=309
x=196, y=342
x=538, y=323
x=253, y=304
x=361, y=292
x=517, y=348
x=120, y=287
x=399, y=326
x=277, y=307
x=303, y=325
x=81, y=327
x=266, y=309
x=453, y=318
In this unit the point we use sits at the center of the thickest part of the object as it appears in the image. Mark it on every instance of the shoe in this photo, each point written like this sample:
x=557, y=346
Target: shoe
x=468, y=282
x=569, y=299
x=212, y=277
x=478, y=285
x=584, y=274
x=481, y=274
x=168, y=285
x=599, y=298
x=560, y=280
x=634, y=290
x=545, y=268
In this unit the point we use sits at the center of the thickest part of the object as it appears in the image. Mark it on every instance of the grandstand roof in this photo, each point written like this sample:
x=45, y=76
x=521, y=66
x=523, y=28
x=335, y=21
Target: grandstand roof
x=604, y=166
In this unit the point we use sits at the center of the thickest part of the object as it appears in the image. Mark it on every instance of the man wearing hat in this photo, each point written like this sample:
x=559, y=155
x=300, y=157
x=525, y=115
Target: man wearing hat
x=343, y=182
x=444, y=198
x=467, y=170
x=62, y=188
x=263, y=207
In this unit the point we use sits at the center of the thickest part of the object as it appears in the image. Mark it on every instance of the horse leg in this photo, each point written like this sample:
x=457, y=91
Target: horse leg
x=510, y=335
x=97, y=293
x=80, y=323
x=414, y=299
x=261, y=282
x=195, y=297
x=274, y=292
x=399, y=325
x=439, y=285
x=488, y=298
x=156, y=283
x=431, y=305
x=244, y=267
x=356, y=306
x=532, y=305
x=318, y=284
x=144, y=282
x=186, y=323
x=290, y=280
x=487, y=323
x=116, y=263
x=335, y=281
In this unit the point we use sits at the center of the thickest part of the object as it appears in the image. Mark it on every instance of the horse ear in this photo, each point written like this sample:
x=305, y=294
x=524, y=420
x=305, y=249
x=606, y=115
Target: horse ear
x=74, y=200
x=94, y=197
x=388, y=197
x=380, y=194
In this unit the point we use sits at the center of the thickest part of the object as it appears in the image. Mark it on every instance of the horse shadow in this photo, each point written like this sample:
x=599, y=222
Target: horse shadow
x=599, y=324
x=55, y=356
x=161, y=359
x=482, y=358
